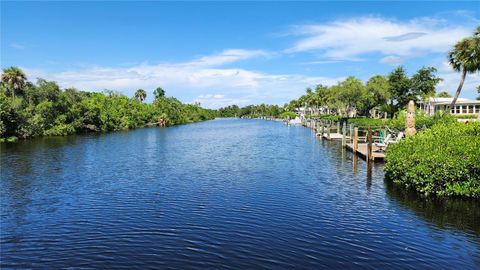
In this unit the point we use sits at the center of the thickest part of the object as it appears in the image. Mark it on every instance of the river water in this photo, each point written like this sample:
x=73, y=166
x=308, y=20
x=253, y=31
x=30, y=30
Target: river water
x=222, y=194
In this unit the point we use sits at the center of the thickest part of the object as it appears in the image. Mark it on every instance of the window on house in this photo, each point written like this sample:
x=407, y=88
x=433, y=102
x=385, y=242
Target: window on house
x=470, y=109
x=452, y=111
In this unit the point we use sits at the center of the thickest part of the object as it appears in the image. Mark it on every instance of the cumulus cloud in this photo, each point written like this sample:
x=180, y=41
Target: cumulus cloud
x=217, y=80
x=201, y=80
x=211, y=101
x=353, y=38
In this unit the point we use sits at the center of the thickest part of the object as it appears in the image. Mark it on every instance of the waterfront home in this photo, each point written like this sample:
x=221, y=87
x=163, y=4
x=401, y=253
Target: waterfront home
x=463, y=106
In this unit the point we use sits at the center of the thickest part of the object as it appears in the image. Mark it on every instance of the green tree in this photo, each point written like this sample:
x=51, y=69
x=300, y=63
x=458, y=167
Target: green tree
x=399, y=85
x=14, y=78
x=465, y=58
x=48, y=90
x=351, y=94
x=159, y=93
x=444, y=94
x=423, y=83
x=140, y=95
x=377, y=92
x=229, y=111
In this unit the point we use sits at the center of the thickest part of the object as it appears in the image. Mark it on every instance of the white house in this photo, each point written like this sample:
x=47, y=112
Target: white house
x=462, y=106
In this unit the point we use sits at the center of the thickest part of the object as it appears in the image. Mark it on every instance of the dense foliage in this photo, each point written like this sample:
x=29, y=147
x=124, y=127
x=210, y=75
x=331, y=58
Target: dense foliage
x=29, y=110
x=251, y=111
x=422, y=120
x=352, y=97
x=442, y=160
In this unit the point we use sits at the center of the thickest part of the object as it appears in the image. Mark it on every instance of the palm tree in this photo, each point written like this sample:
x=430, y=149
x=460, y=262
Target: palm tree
x=15, y=79
x=140, y=95
x=465, y=58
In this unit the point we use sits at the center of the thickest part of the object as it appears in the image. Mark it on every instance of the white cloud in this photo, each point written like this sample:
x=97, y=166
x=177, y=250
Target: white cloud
x=221, y=102
x=353, y=38
x=200, y=80
x=17, y=46
x=228, y=56
x=214, y=81
x=392, y=60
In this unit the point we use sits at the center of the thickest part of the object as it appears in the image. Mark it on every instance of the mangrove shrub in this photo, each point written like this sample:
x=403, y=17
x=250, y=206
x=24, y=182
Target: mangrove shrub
x=443, y=160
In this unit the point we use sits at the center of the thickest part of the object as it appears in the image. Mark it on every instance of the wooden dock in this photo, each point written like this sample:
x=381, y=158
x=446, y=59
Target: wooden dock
x=377, y=155
x=333, y=136
x=363, y=146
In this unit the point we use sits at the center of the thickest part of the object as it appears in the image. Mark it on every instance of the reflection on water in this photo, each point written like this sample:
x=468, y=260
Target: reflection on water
x=460, y=214
x=229, y=194
x=457, y=213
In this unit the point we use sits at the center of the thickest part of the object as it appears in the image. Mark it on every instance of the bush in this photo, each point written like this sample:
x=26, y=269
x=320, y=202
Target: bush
x=12, y=139
x=443, y=160
x=60, y=130
x=330, y=117
x=422, y=120
x=466, y=116
x=292, y=115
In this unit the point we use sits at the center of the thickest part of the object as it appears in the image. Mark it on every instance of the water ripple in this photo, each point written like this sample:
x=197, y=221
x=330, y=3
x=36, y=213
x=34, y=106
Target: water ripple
x=224, y=194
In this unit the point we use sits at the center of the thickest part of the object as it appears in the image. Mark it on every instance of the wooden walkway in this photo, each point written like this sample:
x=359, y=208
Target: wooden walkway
x=377, y=155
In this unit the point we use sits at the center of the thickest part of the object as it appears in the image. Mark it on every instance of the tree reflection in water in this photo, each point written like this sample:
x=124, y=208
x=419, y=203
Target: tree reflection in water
x=456, y=213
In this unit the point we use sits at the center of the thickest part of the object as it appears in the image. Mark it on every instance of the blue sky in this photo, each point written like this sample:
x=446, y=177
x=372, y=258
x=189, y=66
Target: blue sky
x=222, y=53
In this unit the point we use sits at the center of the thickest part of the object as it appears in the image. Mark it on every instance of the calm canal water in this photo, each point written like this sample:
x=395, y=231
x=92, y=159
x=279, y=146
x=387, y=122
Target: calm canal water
x=223, y=194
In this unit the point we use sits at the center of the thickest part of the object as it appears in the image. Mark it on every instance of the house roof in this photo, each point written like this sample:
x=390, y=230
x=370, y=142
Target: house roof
x=448, y=101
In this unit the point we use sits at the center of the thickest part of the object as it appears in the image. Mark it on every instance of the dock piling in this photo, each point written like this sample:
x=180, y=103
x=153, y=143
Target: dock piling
x=369, y=145
x=350, y=133
x=355, y=140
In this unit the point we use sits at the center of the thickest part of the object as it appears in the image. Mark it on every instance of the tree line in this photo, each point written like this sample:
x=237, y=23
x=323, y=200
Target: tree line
x=250, y=111
x=34, y=109
x=351, y=97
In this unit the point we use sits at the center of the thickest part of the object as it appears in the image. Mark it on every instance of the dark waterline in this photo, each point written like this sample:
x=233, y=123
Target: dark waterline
x=222, y=194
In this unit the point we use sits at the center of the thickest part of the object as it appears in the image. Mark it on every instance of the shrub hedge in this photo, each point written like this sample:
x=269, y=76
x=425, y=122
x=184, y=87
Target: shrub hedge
x=466, y=116
x=443, y=160
x=422, y=120
x=292, y=115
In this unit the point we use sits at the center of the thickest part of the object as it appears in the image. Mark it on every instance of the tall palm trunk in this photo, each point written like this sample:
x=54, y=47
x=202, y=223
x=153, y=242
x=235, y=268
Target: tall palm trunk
x=459, y=89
